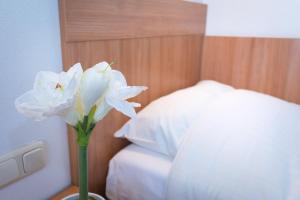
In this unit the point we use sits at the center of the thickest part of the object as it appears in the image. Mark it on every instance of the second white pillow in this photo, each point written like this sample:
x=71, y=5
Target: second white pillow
x=161, y=125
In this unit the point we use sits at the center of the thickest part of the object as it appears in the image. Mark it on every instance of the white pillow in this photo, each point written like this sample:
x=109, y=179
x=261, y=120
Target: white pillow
x=161, y=125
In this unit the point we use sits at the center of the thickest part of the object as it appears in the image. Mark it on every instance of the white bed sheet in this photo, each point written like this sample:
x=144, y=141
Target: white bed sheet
x=136, y=173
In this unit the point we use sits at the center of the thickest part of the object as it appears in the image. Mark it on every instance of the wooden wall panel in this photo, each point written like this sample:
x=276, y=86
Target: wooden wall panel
x=94, y=31
x=268, y=65
x=164, y=64
x=115, y=19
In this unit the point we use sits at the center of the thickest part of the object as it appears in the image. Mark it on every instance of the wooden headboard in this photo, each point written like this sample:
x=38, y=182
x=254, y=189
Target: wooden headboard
x=156, y=43
x=267, y=65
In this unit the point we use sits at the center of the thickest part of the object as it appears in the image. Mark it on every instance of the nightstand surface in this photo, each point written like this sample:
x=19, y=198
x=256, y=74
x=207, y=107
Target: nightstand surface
x=70, y=190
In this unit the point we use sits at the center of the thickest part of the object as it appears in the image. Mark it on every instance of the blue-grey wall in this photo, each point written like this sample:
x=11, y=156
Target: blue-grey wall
x=30, y=42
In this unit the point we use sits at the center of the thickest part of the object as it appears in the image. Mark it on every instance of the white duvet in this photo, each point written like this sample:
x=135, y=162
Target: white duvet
x=247, y=147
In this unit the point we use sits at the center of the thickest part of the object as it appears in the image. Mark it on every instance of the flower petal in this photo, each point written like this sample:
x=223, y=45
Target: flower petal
x=134, y=104
x=118, y=92
x=72, y=79
x=94, y=83
x=45, y=80
x=118, y=79
x=102, y=67
x=102, y=110
x=52, y=94
x=28, y=105
x=71, y=117
x=122, y=106
x=75, y=70
x=75, y=113
x=130, y=91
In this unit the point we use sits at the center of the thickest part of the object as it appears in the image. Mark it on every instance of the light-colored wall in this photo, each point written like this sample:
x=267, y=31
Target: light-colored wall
x=258, y=18
x=30, y=42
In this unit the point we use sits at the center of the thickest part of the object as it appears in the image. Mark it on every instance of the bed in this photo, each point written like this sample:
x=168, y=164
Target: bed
x=242, y=145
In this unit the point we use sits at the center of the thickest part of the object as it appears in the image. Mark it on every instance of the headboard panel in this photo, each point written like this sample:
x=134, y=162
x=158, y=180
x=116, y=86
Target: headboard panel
x=115, y=19
x=157, y=43
x=267, y=65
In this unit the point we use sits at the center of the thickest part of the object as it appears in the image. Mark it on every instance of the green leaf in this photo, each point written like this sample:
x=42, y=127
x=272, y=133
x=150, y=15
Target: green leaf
x=84, y=129
x=85, y=123
x=83, y=141
x=91, y=116
x=82, y=135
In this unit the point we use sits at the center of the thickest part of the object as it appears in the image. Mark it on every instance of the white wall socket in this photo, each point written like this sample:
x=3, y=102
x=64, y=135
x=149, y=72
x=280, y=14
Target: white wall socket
x=22, y=162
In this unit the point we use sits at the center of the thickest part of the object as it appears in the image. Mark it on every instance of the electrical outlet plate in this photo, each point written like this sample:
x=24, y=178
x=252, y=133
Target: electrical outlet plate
x=22, y=162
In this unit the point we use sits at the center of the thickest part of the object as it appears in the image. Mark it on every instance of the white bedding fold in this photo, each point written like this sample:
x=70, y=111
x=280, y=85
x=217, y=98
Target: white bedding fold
x=247, y=147
x=136, y=173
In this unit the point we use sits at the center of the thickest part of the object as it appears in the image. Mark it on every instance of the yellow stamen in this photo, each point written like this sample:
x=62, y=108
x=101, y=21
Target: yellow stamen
x=58, y=86
x=109, y=65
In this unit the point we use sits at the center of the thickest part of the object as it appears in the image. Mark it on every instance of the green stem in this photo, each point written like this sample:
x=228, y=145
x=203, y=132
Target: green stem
x=84, y=130
x=83, y=173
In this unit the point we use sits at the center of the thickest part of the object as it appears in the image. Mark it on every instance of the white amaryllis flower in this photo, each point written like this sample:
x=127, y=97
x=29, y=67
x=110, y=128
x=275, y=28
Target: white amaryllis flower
x=73, y=94
x=116, y=95
x=52, y=94
x=106, y=89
